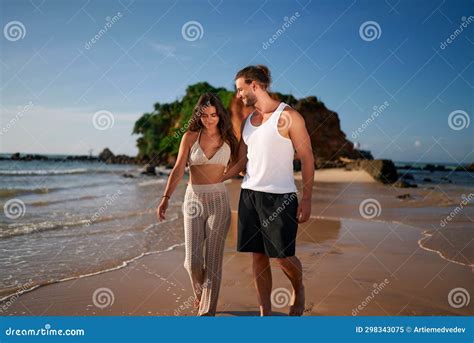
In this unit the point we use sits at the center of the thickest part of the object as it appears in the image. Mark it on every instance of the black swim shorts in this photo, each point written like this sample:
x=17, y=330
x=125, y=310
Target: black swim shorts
x=267, y=223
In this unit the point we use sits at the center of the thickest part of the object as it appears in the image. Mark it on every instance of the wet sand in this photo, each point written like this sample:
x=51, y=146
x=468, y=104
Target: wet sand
x=352, y=265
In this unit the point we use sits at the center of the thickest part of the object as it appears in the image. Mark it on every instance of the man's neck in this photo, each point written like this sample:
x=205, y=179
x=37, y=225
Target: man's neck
x=266, y=104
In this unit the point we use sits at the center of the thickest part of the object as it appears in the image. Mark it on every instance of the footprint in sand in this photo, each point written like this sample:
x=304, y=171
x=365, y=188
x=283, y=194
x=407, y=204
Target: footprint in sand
x=308, y=308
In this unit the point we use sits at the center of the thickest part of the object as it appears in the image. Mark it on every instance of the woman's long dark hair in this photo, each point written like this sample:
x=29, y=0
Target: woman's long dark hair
x=224, y=125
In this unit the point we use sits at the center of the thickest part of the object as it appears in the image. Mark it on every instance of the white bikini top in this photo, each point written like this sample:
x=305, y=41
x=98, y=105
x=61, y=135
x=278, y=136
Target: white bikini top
x=198, y=157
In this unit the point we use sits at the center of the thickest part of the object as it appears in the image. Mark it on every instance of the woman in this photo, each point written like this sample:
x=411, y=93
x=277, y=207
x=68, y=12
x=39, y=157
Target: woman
x=207, y=147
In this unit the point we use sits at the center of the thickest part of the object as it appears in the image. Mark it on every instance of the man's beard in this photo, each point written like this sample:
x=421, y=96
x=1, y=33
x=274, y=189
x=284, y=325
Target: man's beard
x=250, y=100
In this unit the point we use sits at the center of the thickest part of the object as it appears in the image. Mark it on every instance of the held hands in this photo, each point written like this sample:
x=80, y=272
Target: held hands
x=160, y=211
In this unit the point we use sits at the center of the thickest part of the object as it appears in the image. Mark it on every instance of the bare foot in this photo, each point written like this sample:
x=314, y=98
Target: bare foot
x=297, y=302
x=197, y=301
x=265, y=312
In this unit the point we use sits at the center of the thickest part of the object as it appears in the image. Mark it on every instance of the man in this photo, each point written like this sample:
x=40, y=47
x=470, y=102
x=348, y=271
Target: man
x=269, y=210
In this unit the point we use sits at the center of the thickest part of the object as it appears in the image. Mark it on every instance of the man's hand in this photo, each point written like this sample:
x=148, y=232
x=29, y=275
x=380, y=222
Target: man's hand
x=222, y=178
x=304, y=210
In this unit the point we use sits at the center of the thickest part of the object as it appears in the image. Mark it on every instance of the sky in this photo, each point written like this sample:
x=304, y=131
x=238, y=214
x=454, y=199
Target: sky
x=400, y=74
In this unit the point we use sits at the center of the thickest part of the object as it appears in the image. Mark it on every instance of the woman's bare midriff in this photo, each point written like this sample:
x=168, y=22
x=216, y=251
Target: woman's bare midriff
x=206, y=174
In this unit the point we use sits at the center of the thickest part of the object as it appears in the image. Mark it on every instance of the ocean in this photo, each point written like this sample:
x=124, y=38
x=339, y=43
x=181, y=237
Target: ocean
x=449, y=178
x=69, y=219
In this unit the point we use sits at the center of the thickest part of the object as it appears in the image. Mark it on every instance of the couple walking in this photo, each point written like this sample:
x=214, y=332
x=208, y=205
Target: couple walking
x=269, y=210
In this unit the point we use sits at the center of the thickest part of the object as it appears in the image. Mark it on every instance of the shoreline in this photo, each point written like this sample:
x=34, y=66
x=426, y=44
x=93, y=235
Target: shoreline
x=440, y=253
x=125, y=263
x=335, y=220
x=106, y=156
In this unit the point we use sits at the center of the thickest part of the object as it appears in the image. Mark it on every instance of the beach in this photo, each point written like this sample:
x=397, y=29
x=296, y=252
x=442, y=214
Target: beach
x=368, y=249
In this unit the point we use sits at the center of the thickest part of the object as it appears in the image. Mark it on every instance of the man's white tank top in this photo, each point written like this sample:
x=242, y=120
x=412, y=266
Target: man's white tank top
x=270, y=156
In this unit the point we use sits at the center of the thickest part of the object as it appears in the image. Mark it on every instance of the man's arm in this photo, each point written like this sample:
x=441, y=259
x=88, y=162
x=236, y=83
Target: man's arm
x=240, y=163
x=302, y=143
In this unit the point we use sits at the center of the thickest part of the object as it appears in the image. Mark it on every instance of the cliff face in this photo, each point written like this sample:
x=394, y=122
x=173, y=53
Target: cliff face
x=327, y=139
x=329, y=142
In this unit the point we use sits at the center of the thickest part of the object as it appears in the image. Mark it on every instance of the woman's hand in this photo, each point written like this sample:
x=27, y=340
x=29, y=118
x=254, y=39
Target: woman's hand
x=160, y=211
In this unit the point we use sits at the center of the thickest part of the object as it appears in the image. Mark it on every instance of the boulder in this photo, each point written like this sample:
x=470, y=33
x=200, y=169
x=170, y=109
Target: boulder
x=148, y=169
x=106, y=156
x=381, y=170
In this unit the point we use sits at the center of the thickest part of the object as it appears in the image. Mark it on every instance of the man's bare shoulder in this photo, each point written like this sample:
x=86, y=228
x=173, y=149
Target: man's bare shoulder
x=290, y=115
x=291, y=111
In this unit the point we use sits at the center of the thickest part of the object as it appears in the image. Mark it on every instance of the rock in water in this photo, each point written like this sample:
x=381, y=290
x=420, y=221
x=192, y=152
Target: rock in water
x=149, y=169
x=407, y=176
x=106, y=156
